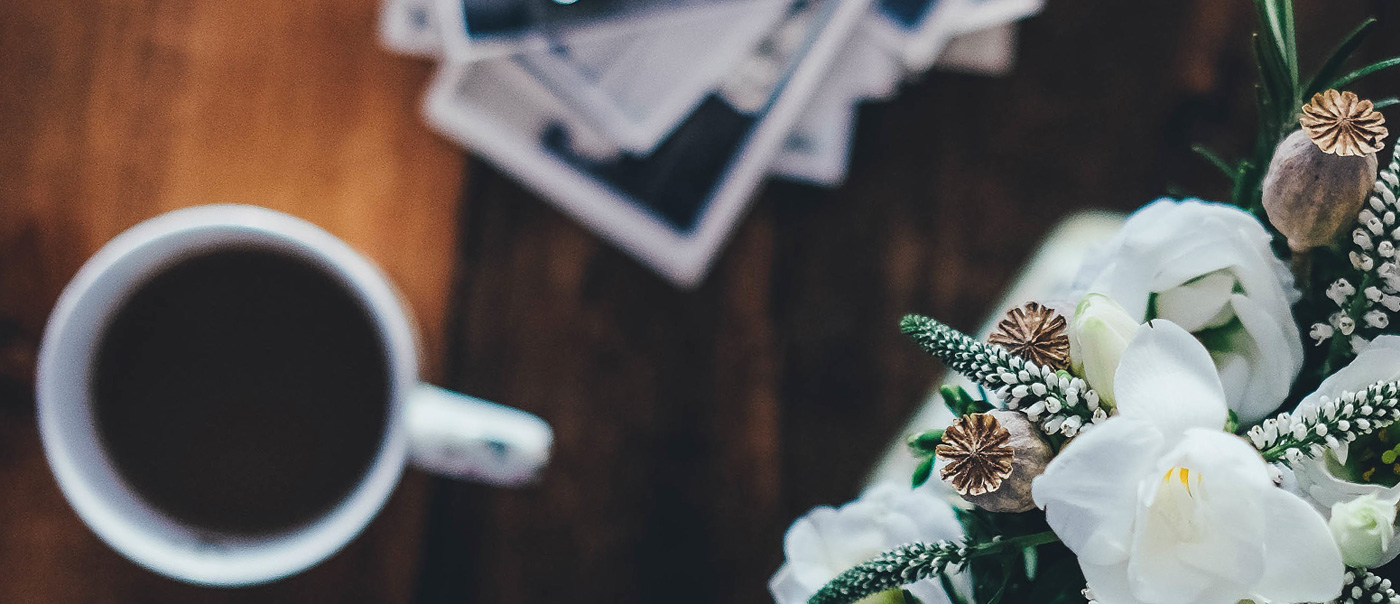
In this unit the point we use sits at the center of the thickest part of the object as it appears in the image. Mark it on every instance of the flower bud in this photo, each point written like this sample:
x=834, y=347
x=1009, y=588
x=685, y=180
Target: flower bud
x=1311, y=196
x=1029, y=455
x=1101, y=329
x=1363, y=529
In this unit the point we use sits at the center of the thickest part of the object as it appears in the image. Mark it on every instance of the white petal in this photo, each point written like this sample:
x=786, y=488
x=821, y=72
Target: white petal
x=787, y=589
x=1201, y=303
x=1168, y=244
x=1379, y=361
x=803, y=535
x=1089, y=491
x=1208, y=237
x=1319, y=486
x=1100, y=362
x=1234, y=369
x=930, y=519
x=1271, y=344
x=1302, y=563
x=1222, y=561
x=1167, y=378
x=827, y=541
x=809, y=560
x=1202, y=544
x=1221, y=454
x=1109, y=582
x=1156, y=574
x=907, y=515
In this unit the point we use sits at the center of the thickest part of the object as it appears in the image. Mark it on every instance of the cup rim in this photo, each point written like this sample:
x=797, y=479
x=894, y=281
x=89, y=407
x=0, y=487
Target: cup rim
x=144, y=534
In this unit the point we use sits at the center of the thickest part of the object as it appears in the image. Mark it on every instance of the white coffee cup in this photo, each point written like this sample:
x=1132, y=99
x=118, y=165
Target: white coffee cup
x=437, y=430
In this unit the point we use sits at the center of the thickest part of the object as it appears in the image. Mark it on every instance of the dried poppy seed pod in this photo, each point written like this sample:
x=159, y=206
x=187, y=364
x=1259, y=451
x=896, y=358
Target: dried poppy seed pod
x=1343, y=124
x=1311, y=196
x=978, y=446
x=1036, y=333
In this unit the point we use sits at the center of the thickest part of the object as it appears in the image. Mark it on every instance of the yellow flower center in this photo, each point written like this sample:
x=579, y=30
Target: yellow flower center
x=1184, y=476
x=1175, y=509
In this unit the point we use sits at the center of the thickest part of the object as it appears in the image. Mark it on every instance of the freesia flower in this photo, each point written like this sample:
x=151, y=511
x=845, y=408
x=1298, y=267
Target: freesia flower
x=827, y=540
x=1321, y=480
x=1161, y=506
x=1364, y=529
x=1208, y=268
x=1101, y=329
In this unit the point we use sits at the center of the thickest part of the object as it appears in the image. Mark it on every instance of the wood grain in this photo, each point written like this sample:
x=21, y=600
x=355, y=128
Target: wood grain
x=114, y=112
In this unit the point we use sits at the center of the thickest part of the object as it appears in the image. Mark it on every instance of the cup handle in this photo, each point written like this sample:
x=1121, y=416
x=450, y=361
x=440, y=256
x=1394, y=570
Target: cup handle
x=462, y=436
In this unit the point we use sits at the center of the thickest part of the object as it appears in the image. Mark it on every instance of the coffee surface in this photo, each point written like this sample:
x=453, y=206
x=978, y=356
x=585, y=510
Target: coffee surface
x=242, y=391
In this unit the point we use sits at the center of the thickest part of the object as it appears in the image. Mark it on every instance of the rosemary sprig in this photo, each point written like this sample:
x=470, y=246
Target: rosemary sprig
x=1333, y=66
x=1281, y=92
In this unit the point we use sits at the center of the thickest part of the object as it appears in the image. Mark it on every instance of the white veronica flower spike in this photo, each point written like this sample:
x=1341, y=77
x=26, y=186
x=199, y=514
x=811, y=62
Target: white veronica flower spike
x=1162, y=506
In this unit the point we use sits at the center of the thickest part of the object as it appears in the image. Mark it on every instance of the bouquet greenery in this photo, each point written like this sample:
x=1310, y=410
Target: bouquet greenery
x=1207, y=420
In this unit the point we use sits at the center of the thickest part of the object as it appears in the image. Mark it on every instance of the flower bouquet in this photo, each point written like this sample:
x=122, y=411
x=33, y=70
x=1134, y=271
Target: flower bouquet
x=1165, y=435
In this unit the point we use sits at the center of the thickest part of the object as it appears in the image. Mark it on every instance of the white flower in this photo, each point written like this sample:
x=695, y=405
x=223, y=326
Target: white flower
x=828, y=541
x=1209, y=269
x=1321, y=481
x=1364, y=529
x=1161, y=506
x=1099, y=332
x=1321, y=332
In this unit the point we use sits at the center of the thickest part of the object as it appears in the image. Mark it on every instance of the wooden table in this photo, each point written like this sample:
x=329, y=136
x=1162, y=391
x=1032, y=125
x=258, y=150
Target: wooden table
x=692, y=427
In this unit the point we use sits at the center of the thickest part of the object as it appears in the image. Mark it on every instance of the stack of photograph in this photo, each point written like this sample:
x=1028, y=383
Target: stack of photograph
x=654, y=122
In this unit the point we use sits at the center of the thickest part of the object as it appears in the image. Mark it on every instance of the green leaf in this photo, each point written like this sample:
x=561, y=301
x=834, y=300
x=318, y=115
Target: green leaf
x=922, y=473
x=1333, y=65
x=1276, y=19
x=1238, y=193
x=1277, y=95
x=1001, y=591
x=1266, y=109
x=952, y=399
x=925, y=442
x=1343, y=81
x=1386, y=102
x=1031, y=557
x=1269, y=67
x=1269, y=21
x=948, y=589
x=1290, y=42
x=961, y=403
x=1215, y=160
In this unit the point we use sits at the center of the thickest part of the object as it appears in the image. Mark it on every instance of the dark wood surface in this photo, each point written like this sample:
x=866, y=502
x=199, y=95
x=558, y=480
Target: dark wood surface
x=113, y=112
x=692, y=427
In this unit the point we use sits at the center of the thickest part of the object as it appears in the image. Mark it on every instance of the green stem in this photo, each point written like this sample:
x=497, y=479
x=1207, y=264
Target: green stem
x=1020, y=542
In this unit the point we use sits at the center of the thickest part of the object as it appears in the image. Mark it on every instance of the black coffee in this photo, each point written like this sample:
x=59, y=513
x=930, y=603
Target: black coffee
x=242, y=391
